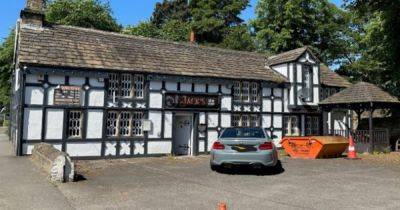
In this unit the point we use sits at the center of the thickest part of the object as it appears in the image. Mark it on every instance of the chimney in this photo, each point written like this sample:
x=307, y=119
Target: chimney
x=192, y=37
x=33, y=14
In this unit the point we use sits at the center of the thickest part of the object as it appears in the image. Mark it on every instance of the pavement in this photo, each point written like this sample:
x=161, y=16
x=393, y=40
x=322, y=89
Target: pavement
x=188, y=183
x=22, y=185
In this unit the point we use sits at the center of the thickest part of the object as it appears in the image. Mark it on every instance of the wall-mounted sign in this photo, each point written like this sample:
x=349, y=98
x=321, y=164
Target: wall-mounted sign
x=191, y=101
x=67, y=95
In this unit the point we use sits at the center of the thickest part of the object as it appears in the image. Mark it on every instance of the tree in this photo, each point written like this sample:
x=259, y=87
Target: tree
x=211, y=19
x=82, y=13
x=283, y=25
x=176, y=10
x=238, y=38
x=6, y=59
x=379, y=39
x=145, y=29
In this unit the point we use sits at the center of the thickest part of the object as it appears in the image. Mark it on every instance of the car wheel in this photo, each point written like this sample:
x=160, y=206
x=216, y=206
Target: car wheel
x=214, y=167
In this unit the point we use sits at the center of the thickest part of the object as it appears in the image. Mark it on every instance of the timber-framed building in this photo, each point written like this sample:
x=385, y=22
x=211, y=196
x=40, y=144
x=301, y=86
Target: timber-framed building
x=96, y=94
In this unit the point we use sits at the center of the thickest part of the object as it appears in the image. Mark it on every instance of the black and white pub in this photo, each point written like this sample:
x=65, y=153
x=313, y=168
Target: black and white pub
x=96, y=94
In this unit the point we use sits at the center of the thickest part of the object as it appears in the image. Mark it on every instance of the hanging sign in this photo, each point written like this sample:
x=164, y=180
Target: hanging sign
x=191, y=101
x=67, y=95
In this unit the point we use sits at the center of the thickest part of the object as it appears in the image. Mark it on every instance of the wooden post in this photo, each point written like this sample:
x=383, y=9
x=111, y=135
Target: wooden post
x=371, y=139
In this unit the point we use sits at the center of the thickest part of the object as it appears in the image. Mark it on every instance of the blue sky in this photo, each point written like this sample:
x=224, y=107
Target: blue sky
x=127, y=12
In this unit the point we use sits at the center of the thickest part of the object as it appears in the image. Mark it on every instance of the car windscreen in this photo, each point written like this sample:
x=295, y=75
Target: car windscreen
x=243, y=133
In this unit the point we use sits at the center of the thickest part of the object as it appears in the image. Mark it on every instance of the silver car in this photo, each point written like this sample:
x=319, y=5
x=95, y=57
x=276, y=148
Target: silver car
x=243, y=146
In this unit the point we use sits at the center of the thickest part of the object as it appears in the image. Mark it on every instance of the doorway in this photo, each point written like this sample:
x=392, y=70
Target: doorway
x=183, y=134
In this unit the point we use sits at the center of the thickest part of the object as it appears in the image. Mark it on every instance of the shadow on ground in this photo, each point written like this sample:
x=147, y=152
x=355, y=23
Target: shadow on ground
x=248, y=170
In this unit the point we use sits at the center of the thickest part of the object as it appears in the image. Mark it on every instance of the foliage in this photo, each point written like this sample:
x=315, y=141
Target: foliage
x=379, y=39
x=173, y=30
x=282, y=25
x=82, y=13
x=6, y=59
x=210, y=19
x=214, y=22
x=238, y=38
x=166, y=11
x=146, y=29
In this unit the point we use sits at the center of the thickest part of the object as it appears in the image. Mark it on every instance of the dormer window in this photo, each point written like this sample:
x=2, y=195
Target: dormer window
x=307, y=90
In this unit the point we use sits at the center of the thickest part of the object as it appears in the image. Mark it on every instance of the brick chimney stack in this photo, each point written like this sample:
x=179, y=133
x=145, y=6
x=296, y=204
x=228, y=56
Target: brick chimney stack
x=33, y=14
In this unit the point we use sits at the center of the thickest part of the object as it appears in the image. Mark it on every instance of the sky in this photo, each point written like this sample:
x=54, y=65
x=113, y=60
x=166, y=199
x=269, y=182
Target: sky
x=127, y=12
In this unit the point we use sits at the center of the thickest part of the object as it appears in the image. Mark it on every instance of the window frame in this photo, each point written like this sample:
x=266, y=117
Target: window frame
x=128, y=125
x=121, y=83
x=80, y=128
x=292, y=130
x=310, y=90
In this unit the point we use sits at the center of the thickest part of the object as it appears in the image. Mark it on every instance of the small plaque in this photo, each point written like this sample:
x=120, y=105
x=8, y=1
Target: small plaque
x=67, y=95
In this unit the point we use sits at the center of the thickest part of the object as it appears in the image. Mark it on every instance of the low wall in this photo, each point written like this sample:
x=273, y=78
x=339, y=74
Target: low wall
x=57, y=164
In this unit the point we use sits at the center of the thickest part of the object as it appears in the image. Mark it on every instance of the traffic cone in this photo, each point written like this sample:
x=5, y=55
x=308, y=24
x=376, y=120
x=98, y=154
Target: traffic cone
x=221, y=206
x=352, y=154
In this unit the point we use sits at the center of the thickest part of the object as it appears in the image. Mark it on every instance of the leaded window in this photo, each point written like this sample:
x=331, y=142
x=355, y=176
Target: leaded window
x=113, y=85
x=124, y=124
x=291, y=126
x=254, y=92
x=246, y=92
x=254, y=120
x=112, y=123
x=244, y=120
x=312, y=125
x=137, y=119
x=126, y=85
x=307, y=83
x=138, y=85
x=236, y=120
x=237, y=93
x=75, y=124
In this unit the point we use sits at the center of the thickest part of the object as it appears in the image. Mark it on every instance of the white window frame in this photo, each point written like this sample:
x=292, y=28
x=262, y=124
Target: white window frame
x=125, y=124
x=125, y=86
x=255, y=93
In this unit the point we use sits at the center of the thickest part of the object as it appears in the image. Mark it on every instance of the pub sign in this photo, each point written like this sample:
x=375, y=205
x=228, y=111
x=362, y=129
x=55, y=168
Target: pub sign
x=191, y=101
x=67, y=95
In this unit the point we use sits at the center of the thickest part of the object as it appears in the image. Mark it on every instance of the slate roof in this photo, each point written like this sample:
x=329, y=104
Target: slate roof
x=67, y=46
x=285, y=57
x=361, y=92
x=331, y=78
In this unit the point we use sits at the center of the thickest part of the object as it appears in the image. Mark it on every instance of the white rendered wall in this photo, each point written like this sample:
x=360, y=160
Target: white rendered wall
x=84, y=149
x=155, y=118
x=200, y=88
x=34, y=95
x=54, y=125
x=56, y=80
x=110, y=148
x=155, y=85
x=225, y=120
x=212, y=136
x=32, y=123
x=168, y=125
x=96, y=97
x=186, y=87
x=171, y=86
x=266, y=120
x=159, y=147
x=77, y=81
x=125, y=148
x=156, y=100
x=213, y=88
x=94, y=124
x=138, y=148
x=95, y=82
x=226, y=103
x=281, y=68
x=212, y=120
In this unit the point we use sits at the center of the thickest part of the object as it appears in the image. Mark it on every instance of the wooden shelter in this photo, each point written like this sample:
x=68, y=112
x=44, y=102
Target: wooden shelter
x=361, y=97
